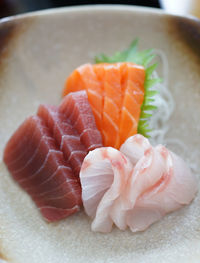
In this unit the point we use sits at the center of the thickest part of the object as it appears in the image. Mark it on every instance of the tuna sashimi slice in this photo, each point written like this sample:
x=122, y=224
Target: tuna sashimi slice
x=53, y=182
x=15, y=151
x=76, y=107
x=53, y=161
x=46, y=152
x=42, y=162
x=65, y=134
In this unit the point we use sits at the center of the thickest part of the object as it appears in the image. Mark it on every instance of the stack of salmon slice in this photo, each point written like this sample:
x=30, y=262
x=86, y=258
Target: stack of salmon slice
x=115, y=93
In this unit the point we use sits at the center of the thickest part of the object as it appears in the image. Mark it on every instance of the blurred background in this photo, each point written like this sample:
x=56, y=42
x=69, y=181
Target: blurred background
x=13, y=7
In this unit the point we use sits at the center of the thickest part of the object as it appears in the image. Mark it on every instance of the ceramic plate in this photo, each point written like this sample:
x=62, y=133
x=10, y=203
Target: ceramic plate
x=37, y=52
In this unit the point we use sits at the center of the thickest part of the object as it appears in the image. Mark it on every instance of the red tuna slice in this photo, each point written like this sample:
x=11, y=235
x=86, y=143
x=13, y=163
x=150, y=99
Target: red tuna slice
x=66, y=136
x=68, y=201
x=36, y=148
x=15, y=153
x=76, y=107
x=53, y=214
x=54, y=202
x=53, y=165
x=53, y=182
x=57, y=209
x=49, y=187
x=64, y=201
x=58, y=192
x=37, y=156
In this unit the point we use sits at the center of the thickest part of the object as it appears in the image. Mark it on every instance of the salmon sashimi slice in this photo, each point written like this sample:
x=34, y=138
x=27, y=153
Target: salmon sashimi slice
x=120, y=92
x=133, y=86
x=76, y=108
x=65, y=134
x=43, y=161
x=112, y=105
x=84, y=77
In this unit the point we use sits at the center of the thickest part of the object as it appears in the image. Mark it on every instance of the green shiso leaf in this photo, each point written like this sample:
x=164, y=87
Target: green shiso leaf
x=144, y=58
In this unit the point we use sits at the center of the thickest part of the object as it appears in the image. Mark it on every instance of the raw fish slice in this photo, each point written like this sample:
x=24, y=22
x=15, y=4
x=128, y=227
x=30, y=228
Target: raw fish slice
x=52, y=182
x=38, y=157
x=76, y=107
x=65, y=135
x=53, y=214
x=14, y=146
x=137, y=183
x=112, y=105
x=23, y=152
x=119, y=89
x=103, y=176
x=133, y=85
x=177, y=188
x=15, y=152
x=58, y=192
x=52, y=162
x=134, y=194
x=56, y=122
x=85, y=78
x=134, y=147
x=38, y=144
x=148, y=173
x=45, y=154
x=65, y=201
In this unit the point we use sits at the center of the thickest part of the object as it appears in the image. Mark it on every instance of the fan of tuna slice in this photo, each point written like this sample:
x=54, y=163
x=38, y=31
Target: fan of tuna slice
x=46, y=152
x=65, y=135
x=34, y=159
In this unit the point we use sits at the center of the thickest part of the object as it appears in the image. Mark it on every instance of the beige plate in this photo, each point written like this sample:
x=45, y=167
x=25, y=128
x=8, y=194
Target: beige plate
x=37, y=52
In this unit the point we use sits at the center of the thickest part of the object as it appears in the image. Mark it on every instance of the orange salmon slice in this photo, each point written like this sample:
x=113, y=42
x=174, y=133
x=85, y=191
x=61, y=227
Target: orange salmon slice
x=115, y=93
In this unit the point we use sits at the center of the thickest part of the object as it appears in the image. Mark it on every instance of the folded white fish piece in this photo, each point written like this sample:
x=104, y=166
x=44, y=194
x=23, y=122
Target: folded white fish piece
x=135, y=187
x=104, y=176
x=165, y=189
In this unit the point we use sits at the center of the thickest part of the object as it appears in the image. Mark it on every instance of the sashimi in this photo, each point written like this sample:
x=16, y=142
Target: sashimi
x=173, y=188
x=65, y=135
x=104, y=176
x=76, y=108
x=112, y=105
x=133, y=85
x=120, y=89
x=136, y=187
x=46, y=152
x=43, y=158
x=84, y=77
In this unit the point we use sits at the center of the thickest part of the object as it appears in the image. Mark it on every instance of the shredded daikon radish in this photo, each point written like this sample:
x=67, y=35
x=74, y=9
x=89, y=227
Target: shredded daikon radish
x=159, y=121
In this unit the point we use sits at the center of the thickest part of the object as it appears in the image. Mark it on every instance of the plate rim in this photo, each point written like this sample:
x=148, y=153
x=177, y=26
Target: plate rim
x=97, y=8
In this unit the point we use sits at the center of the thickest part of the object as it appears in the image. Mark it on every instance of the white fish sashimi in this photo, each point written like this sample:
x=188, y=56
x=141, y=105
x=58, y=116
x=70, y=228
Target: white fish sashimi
x=176, y=187
x=103, y=176
x=135, y=188
x=134, y=147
